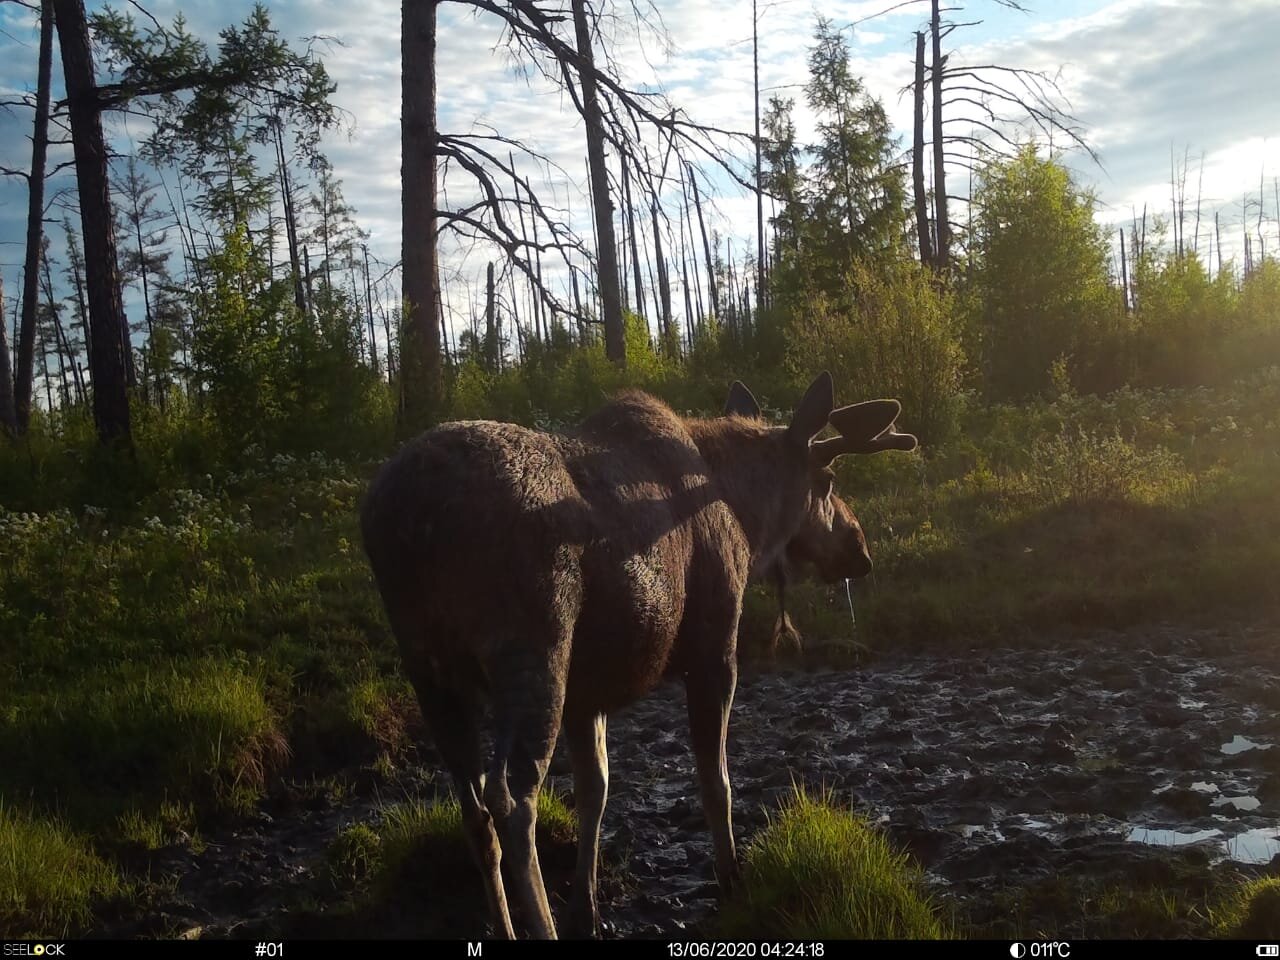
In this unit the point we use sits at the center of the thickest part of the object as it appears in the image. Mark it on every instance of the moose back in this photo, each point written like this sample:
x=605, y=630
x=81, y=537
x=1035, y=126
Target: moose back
x=560, y=577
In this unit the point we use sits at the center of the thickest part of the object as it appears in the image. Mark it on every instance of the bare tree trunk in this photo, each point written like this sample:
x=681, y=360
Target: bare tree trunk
x=1195, y=241
x=606, y=250
x=664, y=285
x=706, y=248
x=107, y=362
x=943, y=256
x=420, y=367
x=44, y=364
x=917, y=159
x=631, y=232
x=290, y=224
x=755, y=73
x=490, y=322
x=1124, y=274
x=8, y=415
x=35, y=223
x=368, y=307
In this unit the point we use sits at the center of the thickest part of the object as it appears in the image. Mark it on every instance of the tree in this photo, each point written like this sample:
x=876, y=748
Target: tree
x=607, y=251
x=421, y=379
x=849, y=202
x=856, y=194
x=8, y=416
x=144, y=261
x=1040, y=272
x=25, y=373
x=106, y=309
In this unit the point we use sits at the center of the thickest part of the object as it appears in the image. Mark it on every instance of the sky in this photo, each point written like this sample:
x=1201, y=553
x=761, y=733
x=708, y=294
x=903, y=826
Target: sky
x=1147, y=80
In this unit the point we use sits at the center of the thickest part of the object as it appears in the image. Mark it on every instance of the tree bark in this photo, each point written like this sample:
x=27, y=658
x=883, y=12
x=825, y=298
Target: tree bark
x=368, y=307
x=631, y=233
x=35, y=224
x=606, y=250
x=420, y=368
x=8, y=415
x=706, y=248
x=917, y=159
x=755, y=74
x=943, y=255
x=106, y=310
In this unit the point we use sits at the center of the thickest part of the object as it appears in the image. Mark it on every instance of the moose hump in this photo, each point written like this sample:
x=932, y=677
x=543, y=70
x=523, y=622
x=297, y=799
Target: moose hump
x=558, y=577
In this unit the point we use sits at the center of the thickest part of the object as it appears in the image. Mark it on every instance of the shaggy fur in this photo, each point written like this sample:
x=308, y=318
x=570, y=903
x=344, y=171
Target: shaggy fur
x=562, y=577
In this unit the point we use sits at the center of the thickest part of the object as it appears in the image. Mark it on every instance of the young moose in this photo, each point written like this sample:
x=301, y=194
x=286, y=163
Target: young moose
x=562, y=577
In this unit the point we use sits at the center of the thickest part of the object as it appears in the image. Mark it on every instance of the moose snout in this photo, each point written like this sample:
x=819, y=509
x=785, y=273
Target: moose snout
x=860, y=565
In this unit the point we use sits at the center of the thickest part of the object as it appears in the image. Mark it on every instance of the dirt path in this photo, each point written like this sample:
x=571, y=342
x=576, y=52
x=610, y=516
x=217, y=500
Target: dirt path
x=1144, y=751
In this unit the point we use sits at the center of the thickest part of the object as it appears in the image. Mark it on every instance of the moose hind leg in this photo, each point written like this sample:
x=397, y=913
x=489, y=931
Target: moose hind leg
x=528, y=703
x=585, y=735
x=454, y=720
x=710, y=693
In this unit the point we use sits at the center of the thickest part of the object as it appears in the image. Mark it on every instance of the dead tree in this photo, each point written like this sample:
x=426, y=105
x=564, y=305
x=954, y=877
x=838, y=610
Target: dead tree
x=107, y=361
x=8, y=416
x=917, y=158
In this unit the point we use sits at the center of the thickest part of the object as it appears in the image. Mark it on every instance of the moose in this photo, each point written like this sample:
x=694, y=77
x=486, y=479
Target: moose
x=560, y=577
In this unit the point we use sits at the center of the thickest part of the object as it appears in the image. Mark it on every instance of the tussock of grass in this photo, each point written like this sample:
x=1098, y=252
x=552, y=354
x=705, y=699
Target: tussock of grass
x=199, y=731
x=413, y=871
x=50, y=879
x=424, y=842
x=1251, y=912
x=819, y=872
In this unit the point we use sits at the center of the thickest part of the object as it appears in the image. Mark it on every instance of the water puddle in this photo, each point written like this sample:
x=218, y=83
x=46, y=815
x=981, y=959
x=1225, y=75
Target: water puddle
x=1169, y=838
x=1255, y=846
x=1240, y=804
x=1241, y=744
x=1201, y=786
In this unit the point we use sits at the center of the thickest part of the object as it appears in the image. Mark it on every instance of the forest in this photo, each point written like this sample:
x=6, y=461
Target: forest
x=204, y=357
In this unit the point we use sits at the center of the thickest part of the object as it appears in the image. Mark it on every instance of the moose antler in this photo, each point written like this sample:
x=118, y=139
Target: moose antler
x=866, y=427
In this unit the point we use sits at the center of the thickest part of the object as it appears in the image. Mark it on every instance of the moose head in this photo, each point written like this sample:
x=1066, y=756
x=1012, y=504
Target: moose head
x=829, y=539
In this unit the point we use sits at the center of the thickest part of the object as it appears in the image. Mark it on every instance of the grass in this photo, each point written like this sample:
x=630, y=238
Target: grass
x=50, y=878
x=413, y=873
x=1251, y=911
x=819, y=872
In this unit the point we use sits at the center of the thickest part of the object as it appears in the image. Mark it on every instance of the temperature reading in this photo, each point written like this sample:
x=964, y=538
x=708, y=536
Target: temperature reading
x=1052, y=948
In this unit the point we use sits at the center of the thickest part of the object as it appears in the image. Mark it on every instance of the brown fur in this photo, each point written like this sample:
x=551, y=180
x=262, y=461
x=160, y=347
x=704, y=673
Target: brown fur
x=560, y=578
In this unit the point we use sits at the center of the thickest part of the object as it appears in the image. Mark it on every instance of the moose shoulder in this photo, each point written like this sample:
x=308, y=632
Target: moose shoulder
x=561, y=577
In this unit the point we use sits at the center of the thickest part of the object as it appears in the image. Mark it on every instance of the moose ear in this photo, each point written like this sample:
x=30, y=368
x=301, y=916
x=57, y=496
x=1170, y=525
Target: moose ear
x=741, y=403
x=861, y=423
x=811, y=416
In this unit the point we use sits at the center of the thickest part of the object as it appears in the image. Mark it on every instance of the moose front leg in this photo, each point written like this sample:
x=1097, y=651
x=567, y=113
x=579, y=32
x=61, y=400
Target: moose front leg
x=710, y=693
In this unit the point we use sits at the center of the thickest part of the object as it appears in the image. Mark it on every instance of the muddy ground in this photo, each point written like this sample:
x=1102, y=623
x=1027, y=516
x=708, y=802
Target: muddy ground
x=1129, y=758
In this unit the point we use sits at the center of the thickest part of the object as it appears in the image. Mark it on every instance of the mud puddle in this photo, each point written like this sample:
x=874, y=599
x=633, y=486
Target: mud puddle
x=995, y=769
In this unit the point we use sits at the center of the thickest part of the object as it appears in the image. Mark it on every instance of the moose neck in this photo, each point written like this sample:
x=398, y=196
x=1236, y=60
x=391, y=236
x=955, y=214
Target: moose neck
x=744, y=458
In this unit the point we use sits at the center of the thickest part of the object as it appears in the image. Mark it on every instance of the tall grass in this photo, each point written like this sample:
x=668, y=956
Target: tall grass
x=50, y=879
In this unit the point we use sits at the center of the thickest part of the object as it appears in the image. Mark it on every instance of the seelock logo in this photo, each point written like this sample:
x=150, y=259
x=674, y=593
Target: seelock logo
x=35, y=949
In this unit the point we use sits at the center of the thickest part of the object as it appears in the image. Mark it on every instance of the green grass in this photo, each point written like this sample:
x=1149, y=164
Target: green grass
x=820, y=872
x=412, y=874
x=50, y=879
x=1251, y=912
